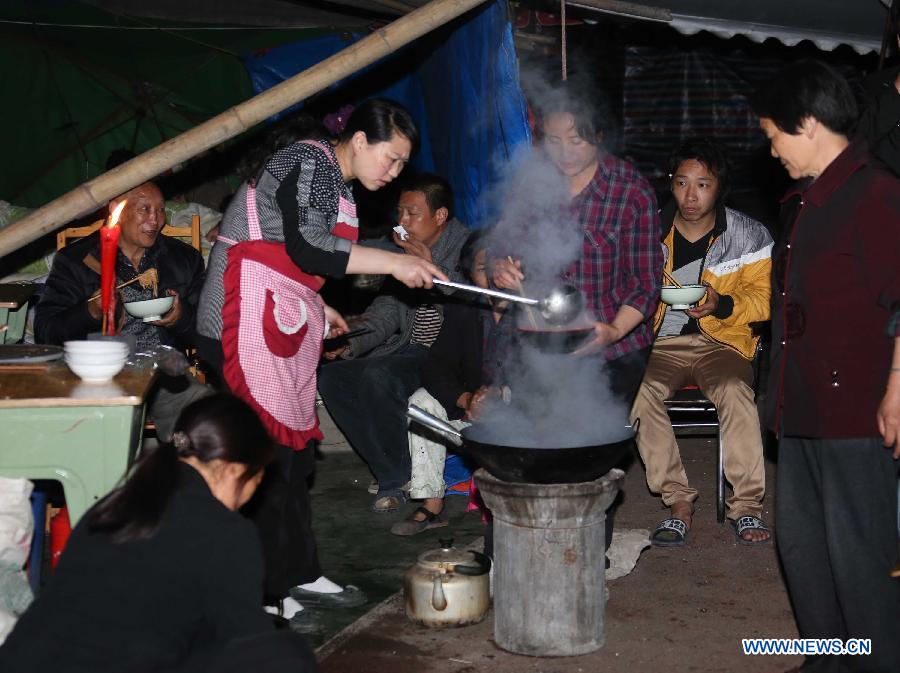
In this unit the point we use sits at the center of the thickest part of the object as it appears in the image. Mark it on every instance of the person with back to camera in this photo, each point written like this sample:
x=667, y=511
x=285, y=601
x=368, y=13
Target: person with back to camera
x=163, y=573
x=261, y=320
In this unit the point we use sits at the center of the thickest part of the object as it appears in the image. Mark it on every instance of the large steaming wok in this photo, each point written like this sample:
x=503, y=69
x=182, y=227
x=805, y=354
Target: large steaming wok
x=556, y=339
x=548, y=465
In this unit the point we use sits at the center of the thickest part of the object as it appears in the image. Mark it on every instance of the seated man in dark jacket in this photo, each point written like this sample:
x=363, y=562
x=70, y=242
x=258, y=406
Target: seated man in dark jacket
x=462, y=371
x=366, y=392
x=68, y=312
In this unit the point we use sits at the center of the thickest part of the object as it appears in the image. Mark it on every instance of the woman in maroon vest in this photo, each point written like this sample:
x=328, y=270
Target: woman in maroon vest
x=834, y=390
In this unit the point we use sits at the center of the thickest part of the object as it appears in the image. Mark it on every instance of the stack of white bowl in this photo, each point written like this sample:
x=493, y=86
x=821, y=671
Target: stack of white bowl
x=96, y=361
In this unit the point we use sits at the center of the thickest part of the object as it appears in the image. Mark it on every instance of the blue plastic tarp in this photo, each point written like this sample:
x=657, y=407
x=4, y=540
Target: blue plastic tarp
x=459, y=83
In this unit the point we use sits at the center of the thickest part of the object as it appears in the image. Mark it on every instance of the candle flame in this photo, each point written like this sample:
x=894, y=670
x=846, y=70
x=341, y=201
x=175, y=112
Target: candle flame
x=117, y=211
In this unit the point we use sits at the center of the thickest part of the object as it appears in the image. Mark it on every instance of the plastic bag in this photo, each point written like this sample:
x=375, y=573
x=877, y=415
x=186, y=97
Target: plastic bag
x=16, y=530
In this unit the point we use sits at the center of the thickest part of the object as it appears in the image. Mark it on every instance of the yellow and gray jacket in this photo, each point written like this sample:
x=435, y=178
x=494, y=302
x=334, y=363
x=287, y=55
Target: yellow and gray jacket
x=738, y=265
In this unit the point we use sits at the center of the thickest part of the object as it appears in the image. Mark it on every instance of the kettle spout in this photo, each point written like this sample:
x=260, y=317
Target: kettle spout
x=438, y=599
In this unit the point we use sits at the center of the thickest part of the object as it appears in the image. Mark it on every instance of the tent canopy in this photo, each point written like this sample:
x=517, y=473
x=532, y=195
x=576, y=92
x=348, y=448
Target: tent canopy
x=85, y=82
x=826, y=23
x=93, y=76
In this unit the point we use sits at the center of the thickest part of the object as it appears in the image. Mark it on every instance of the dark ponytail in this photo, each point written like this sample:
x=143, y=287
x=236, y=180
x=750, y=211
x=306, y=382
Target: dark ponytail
x=380, y=119
x=218, y=427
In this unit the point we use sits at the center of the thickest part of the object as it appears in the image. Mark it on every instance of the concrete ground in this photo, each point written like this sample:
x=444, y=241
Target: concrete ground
x=355, y=544
x=680, y=610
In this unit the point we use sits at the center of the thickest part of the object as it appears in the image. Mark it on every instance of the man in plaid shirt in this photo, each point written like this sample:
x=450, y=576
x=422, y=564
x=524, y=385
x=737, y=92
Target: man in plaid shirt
x=619, y=268
x=620, y=255
x=620, y=263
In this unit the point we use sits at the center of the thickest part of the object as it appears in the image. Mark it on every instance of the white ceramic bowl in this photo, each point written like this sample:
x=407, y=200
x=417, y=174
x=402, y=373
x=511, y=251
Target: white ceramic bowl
x=681, y=298
x=88, y=390
x=95, y=347
x=95, y=373
x=107, y=354
x=95, y=358
x=150, y=309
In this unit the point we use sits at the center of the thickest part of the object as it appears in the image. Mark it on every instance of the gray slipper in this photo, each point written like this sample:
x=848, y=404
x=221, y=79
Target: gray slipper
x=669, y=533
x=411, y=525
x=745, y=523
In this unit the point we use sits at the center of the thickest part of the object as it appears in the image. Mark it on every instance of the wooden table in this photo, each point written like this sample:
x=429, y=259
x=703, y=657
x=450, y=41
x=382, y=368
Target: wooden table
x=84, y=435
x=14, y=310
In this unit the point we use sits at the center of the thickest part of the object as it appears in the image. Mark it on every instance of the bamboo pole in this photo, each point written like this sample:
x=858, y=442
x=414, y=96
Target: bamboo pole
x=95, y=193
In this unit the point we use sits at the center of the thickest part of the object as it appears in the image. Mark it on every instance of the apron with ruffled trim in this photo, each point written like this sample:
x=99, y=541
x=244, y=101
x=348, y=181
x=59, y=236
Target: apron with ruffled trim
x=273, y=325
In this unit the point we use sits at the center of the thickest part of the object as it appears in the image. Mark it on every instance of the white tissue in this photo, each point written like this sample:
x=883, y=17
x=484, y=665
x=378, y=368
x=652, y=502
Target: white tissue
x=401, y=232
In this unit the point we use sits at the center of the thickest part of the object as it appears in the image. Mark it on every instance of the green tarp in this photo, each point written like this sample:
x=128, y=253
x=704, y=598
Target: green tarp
x=78, y=82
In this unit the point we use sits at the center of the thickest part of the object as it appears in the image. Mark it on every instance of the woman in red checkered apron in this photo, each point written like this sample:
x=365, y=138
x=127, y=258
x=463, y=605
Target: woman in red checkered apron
x=261, y=320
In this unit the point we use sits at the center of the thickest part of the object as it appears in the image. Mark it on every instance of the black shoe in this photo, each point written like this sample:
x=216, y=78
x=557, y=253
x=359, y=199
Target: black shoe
x=280, y=622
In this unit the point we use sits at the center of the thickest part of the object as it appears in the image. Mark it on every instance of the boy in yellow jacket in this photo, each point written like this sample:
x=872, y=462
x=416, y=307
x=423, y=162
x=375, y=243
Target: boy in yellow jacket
x=711, y=345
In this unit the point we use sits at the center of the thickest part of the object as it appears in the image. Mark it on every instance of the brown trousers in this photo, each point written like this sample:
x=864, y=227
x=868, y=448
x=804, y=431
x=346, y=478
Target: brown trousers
x=726, y=379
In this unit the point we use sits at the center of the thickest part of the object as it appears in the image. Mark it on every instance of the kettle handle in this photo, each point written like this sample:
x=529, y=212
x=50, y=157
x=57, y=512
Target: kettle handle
x=484, y=566
x=438, y=599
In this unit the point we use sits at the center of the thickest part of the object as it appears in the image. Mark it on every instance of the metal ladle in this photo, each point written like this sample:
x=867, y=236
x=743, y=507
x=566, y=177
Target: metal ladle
x=560, y=307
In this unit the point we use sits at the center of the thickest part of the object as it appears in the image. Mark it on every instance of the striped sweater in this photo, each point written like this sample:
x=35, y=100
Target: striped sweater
x=297, y=199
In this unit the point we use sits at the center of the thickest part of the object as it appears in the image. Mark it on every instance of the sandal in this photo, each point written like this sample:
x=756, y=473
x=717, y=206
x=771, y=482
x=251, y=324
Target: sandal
x=373, y=487
x=411, y=525
x=669, y=533
x=388, y=503
x=744, y=523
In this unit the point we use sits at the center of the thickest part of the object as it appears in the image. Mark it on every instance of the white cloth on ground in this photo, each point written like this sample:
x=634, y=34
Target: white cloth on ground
x=624, y=550
x=428, y=451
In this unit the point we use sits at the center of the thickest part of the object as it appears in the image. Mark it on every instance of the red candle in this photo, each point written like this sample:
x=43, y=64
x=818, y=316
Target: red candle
x=109, y=246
